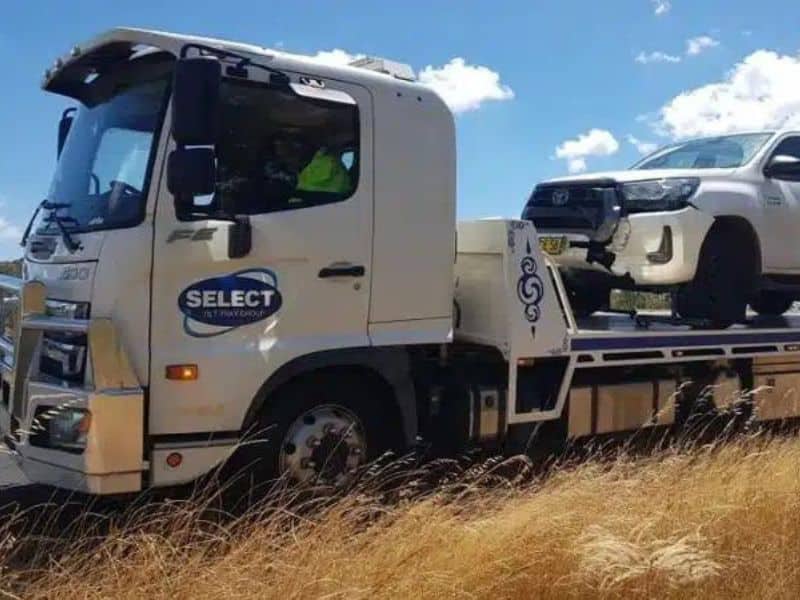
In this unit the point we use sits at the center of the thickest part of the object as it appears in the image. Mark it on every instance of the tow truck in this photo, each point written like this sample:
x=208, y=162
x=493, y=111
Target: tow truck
x=174, y=313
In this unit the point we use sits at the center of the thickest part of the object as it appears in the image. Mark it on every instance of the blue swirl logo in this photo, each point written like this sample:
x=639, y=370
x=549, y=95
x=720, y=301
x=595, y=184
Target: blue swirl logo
x=220, y=304
x=530, y=288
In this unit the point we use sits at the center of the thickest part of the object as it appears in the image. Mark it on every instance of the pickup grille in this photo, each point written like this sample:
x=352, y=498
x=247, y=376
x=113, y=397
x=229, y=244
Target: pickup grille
x=581, y=208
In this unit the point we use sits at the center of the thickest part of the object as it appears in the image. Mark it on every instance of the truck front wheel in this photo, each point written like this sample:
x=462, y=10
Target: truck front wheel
x=319, y=430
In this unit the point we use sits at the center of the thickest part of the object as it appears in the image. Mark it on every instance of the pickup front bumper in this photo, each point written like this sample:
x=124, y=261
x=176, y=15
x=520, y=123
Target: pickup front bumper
x=108, y=457
x=637, y=247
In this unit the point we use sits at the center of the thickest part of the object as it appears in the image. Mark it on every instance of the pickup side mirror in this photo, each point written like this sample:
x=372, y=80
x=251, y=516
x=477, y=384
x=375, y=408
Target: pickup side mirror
x=195, y=101
x=191, y=172
x=782, y=166
x=64, y=125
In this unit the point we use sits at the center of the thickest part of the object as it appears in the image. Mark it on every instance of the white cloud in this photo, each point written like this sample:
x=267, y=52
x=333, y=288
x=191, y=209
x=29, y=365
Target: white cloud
x=696, y=45
x=576, y=165
x=336, y=57
x=9, y=231
x=462, y=86
x=661, y=7
x=465, y=87
x=641, y=146
x=758, y=93
x=595, y=142
x=656, y=57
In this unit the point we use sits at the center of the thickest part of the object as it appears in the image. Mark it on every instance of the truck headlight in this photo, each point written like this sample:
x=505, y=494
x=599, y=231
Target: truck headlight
x=659, y=194
x=61, y=428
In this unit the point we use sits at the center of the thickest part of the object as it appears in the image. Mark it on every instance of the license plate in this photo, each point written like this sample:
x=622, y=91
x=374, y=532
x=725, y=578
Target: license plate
x=553, y=245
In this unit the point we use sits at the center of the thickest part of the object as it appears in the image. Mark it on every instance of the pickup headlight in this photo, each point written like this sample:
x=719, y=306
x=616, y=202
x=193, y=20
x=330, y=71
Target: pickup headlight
x=659, y=194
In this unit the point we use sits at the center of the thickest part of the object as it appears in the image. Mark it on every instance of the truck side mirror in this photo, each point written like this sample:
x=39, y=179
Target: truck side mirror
x=240, y=237
x=195, y=101
x=782, y=166
x=191, y=172
x=64, y=125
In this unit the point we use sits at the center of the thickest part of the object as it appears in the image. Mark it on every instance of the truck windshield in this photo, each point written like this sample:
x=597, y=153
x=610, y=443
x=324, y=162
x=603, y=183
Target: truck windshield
x=103, y=171
x=728, y=151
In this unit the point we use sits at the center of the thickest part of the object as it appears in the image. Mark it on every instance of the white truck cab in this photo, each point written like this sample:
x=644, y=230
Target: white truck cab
x=246, y=253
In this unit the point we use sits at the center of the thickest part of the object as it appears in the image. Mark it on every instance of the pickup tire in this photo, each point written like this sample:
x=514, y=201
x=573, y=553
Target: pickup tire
x=318, y=430
x=771, y=302
x=587, y=299
x=723, y=282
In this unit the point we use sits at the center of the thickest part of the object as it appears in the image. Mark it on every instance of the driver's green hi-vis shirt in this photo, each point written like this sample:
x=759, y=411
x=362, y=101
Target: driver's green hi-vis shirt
x=325, y=173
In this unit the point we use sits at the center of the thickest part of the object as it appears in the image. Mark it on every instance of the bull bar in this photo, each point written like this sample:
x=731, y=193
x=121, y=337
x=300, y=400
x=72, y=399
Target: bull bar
x=110, y=459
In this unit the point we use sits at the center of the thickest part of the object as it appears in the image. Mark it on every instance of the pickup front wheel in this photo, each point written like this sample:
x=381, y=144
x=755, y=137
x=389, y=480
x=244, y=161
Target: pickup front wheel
x=723, y=282
x=587, y=294
x=771, y=303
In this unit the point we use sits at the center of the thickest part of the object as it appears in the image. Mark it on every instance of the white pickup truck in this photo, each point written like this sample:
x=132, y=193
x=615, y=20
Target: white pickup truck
x=185, y=288
x=714, y=220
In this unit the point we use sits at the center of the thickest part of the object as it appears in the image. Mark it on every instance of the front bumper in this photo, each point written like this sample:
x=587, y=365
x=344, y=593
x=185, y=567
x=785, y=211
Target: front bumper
x=111, y=459
x=637, y=239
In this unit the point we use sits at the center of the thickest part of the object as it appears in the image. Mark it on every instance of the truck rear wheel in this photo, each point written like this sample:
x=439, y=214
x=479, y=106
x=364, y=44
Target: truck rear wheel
x=319, y=431
x=771, y=303
x=723, y=281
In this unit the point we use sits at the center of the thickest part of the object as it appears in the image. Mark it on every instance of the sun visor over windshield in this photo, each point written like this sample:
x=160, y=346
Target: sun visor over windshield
x=84, y=78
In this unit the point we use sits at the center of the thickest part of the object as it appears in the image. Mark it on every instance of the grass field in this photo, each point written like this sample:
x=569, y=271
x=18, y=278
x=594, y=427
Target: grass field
x=718, y=521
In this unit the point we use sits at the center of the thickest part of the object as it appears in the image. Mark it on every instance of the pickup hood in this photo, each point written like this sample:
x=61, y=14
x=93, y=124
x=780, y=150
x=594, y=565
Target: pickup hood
x=643, y=174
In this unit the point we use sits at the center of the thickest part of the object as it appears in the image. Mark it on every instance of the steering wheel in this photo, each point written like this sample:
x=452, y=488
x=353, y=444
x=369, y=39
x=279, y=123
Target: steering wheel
x=123, y=188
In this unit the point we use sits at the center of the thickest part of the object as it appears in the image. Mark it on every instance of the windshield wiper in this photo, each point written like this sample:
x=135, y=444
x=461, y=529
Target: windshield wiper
x=27, y=232
x=53, y=217
x=72, y=245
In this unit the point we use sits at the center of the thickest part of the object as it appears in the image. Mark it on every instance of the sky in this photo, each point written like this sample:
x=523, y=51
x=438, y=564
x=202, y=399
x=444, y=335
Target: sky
x=539, y=88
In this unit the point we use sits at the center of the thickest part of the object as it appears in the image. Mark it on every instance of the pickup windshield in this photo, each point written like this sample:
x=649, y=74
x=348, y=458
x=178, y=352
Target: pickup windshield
x=724, y=152
x=102, y=174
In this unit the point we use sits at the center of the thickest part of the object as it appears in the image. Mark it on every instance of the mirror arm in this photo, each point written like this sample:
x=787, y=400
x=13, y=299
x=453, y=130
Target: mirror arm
x=279, y=77
x=64, y=125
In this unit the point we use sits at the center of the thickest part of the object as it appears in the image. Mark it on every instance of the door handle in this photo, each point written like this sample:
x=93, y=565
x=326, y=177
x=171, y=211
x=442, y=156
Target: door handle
x=341, y=271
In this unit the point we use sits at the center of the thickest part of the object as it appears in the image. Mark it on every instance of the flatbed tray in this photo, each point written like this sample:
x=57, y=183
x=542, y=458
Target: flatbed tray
x=620, y=332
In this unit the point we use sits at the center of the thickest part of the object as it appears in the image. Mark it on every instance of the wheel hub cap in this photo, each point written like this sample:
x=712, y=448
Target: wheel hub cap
x=325, y=444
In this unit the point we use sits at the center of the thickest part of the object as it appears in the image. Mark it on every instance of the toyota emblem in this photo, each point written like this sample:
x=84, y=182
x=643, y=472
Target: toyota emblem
x=560, y=197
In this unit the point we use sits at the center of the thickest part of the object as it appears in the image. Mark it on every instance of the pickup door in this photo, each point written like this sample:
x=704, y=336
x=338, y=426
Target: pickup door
x=781, y=200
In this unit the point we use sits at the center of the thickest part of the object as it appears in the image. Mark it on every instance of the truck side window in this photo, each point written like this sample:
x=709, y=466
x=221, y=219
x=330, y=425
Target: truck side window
x=281, y=151
x=789, y=146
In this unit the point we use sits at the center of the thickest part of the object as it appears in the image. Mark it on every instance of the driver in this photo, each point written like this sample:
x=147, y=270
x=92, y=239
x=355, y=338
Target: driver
x=295, y=165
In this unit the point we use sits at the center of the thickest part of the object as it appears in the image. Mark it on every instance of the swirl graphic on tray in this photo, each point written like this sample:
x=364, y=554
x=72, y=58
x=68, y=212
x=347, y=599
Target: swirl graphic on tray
x=530, y=288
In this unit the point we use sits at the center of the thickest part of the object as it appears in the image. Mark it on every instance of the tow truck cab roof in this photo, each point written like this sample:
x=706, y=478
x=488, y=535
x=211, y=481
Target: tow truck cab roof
x=71, y=73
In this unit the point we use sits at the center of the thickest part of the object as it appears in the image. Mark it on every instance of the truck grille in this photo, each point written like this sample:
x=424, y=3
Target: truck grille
x=582, y=208
x=63, y=355
x=8, y=321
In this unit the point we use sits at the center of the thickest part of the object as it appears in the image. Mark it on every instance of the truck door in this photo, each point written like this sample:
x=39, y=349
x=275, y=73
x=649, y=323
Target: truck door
x=298, y=165
x=781, y=200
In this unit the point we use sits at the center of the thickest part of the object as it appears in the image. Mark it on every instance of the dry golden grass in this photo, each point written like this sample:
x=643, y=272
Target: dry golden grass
x=718, y=521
